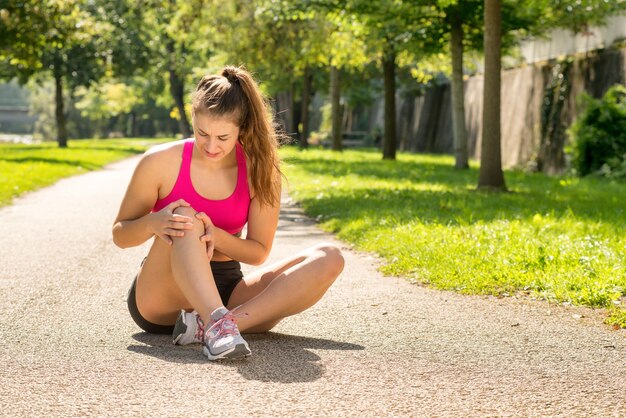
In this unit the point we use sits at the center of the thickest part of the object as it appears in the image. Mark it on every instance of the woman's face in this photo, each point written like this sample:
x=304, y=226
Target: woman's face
x=216, y=137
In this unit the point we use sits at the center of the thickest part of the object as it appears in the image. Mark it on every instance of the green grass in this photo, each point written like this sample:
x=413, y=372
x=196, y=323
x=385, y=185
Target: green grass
x=557, y=238
x=25, y=168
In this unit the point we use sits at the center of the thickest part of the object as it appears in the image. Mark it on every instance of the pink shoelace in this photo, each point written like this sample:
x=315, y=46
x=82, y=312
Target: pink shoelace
x=226, y=325
x=200, y=329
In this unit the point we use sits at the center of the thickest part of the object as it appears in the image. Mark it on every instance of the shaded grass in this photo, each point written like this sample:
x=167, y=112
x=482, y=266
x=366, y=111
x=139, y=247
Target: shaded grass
x=557, y=238
x=25, y=168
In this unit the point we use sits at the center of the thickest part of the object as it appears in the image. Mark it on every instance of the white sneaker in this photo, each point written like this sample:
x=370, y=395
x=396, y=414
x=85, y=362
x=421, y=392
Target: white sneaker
x=189, y=329
x=222, y=340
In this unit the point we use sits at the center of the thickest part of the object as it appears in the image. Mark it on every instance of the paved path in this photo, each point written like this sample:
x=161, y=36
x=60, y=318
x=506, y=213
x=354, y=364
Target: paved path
x=374, y=346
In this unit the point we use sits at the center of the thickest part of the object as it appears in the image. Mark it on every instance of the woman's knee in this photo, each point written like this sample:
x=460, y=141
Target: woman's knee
x=331, y=259
x=186, y=211
x=198, y=226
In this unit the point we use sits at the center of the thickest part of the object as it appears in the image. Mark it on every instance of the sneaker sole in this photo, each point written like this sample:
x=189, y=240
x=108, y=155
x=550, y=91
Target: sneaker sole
x=240, y=351
x=180, y=328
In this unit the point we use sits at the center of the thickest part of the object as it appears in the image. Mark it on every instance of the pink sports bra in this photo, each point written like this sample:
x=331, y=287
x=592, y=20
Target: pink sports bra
x=230, y=214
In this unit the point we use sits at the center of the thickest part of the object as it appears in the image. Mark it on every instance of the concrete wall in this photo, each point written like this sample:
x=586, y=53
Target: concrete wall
x=425, y=124
x=564, y=42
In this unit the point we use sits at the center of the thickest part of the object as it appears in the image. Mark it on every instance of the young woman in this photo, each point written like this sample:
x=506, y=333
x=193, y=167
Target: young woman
x=194, y=197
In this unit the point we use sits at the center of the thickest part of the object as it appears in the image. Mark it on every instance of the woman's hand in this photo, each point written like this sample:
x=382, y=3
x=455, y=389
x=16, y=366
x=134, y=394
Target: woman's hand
x=209, y=233
x=167, y=224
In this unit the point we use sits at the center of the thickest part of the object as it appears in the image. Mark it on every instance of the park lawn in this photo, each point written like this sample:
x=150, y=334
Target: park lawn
x=556, y=238
x=25, y=168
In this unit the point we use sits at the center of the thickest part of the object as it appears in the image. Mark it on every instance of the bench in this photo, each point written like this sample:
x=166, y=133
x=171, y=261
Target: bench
x=352, y=139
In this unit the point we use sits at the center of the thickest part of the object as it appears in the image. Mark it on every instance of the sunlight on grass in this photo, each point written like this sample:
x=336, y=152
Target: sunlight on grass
x=25, y=168
x=560, y=239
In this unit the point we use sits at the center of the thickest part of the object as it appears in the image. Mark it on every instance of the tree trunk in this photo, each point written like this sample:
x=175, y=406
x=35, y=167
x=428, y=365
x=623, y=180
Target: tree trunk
x=132, y=125
x=458, y=102
x=346, y=123
x=335, y=91
x=389, y=70
x=60, y=108
x=306, y=100
x=491, y=175
x=295, y=113
x=177, y=90
x=282, y=108
x=406, y=121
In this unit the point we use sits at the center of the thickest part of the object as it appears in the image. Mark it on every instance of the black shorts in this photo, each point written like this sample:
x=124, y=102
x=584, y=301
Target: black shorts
x=226, y=274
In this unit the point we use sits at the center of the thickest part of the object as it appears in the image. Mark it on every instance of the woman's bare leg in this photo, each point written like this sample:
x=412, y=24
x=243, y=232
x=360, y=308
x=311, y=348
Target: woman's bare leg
x=285, y=288
x=177, y=277
x=180, y=277
x=191, y=268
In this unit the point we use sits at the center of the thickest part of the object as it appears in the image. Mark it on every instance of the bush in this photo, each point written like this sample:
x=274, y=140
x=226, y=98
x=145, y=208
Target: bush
x=599, y=135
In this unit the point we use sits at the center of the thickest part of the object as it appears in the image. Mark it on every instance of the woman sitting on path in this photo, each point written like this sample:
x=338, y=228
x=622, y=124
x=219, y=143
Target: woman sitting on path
x=195, y=196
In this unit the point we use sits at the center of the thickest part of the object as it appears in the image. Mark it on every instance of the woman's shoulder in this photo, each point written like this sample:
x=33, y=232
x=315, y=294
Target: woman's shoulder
x=159, y=157
x=166, y=150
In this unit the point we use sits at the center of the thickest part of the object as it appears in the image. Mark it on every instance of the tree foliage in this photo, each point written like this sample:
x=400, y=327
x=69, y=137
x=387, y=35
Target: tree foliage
x=117, y=56
x=576, y=15
x=394, y=27
x=599, y=135
x=49, y=35
x=73, y=41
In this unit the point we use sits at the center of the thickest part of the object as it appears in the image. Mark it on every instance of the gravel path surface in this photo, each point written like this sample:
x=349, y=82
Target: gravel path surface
x=374, y=346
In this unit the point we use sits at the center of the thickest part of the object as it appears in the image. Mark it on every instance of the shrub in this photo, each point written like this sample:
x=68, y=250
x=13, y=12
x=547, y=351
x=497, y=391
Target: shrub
x=599, y=135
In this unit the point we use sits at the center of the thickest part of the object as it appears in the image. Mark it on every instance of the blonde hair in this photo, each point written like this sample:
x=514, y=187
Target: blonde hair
x=234, y=93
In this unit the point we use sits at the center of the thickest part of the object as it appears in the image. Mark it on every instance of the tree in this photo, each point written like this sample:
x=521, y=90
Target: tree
x=461, y=18
x=65, y=42
x=286, y=42
x=519, y=19
x=280, y=42
x=459, y=130
x=393, y=26
x=307, y=93
x=386, y=27
x=335, y=100
x=462, y=23
x=109, y=100
x=389, y=76
x=491, y=175
x=303, y=39
x=74, y=41
x=181, y=33
x=346, y=51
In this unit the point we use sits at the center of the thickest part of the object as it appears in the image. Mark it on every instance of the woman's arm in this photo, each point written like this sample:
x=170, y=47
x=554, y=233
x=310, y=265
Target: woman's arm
x=254, y=249
x=135, y=223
